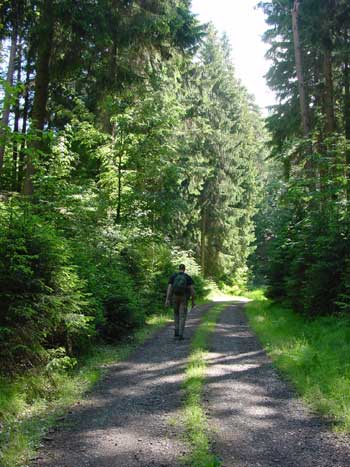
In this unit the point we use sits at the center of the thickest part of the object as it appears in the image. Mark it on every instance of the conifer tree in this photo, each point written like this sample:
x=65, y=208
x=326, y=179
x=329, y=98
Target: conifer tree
x=311, y=140
x=224, y=145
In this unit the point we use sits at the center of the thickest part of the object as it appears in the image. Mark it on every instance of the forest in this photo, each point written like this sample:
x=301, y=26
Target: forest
x=129, y=145
x=303, y=222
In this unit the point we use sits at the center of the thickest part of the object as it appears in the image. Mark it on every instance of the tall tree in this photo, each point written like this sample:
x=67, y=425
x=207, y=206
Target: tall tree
x=309, y=240
x=42, y=80
x=304, y=107
x=14, y=24
x=223, y=145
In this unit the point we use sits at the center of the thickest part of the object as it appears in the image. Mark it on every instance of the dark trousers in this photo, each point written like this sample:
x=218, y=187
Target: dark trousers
x=180, y=314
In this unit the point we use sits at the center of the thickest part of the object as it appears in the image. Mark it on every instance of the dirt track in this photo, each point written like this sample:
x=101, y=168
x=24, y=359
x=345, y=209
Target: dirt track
x=128, y=421
x=257, y=419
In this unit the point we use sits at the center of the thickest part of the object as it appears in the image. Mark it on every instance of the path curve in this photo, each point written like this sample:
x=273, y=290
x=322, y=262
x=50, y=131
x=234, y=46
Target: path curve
x=258, y=421
x=128, y=420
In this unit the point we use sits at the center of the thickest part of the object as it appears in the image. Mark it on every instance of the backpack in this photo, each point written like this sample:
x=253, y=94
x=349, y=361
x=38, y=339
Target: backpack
x=180, y=284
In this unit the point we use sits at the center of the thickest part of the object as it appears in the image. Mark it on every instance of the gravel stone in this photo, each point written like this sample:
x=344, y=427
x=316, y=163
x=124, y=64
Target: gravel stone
x=257, y=419
x=127, y=420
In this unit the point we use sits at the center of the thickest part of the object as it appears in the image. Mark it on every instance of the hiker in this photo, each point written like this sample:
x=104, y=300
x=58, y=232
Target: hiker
x=180, y=289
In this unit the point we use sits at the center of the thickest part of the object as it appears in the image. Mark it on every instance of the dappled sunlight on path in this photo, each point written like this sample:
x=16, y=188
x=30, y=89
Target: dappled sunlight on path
x=218, y=296
x=128, y=420
x=256, y=418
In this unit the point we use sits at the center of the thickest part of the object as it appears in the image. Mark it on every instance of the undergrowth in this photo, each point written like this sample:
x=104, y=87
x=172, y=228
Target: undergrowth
x=195, y=419
x=30, y=404
x=313, y=354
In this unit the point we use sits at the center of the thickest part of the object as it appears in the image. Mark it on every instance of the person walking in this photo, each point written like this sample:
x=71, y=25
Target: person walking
x=180, y=289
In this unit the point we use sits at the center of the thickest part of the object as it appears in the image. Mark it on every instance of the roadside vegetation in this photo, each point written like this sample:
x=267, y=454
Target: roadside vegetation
x=197, y=430
x=112, y=173
x=32, y=403
x=302, y=227
x=313, y=354
x=303, y=247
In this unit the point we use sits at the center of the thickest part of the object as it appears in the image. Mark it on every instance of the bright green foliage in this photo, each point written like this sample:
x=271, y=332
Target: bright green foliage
x=138, y=174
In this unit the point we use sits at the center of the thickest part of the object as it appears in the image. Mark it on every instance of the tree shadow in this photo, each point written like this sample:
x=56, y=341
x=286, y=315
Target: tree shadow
x=129, y=418
x=257, y=417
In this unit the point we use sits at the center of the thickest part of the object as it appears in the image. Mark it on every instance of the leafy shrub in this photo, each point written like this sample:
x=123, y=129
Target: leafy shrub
x=121, y=305
x=114, y=289
x=121, y=314
x=149, y=262
x=59, y=287
x=308, y=261
x=42, y=303
x=59, y=361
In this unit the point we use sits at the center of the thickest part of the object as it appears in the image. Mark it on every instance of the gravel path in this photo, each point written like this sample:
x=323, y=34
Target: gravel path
x=130, y=418
x=257, y=419
x=128, y=421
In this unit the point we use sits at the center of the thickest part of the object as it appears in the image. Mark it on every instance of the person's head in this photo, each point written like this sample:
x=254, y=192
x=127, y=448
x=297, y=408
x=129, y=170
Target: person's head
x=182, y=268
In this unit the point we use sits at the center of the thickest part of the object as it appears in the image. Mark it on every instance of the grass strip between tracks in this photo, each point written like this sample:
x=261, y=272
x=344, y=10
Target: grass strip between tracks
x=197, y=430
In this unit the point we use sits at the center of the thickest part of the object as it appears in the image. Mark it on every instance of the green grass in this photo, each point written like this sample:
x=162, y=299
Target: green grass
x=197, y=431
x=313, y=355
x=30, y=404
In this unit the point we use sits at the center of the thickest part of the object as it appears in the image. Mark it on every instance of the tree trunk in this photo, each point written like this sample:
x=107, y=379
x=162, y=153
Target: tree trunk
x=203, y=240
x=24, y=125
x=325, y=165
x=119, y=202
x=329, y=94
x=347, y=123
x=42, y=81
x=9, y=83
x=120, y=173
x=304, y=107
x=16, y=121
x=305, y=118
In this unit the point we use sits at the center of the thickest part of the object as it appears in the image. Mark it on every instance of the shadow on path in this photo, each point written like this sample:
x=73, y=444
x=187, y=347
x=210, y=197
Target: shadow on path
x=257, y=418
x=127, y=420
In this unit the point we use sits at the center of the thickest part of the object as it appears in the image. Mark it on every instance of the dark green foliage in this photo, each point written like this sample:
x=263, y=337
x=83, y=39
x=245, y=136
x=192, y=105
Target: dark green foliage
x=122, y=311
x=150, y=263
x=117, y=308
x=56, y=294
x=42, y=302
x=304, y=238
x=308, y=262
x=224, y=146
